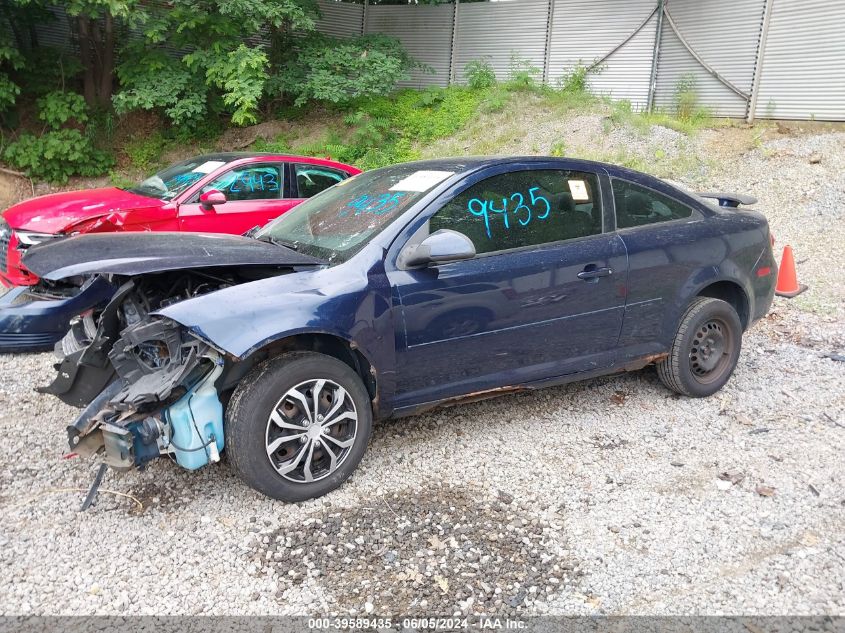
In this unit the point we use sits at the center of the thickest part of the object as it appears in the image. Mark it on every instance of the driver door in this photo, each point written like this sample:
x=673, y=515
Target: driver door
x=254, y=196
x=542, y=298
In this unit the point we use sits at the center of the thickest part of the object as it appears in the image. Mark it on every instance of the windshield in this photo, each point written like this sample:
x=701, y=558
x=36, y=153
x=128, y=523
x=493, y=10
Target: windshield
x=167, y=184
x=340, y=221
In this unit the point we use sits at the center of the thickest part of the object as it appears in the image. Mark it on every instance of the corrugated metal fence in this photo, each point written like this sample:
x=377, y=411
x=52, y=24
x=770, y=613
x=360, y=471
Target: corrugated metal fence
x=747, y=58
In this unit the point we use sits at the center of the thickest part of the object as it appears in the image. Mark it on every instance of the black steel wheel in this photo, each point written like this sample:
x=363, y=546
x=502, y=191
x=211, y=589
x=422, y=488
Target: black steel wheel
x=705, y=350
x=711, y=350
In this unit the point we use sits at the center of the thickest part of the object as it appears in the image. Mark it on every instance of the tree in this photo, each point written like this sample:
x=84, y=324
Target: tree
x=17, y=36
x=95, y=29
x=336, y=71
x=224, y=66
x=192, y=60
x=241, y=53
x=21, y=17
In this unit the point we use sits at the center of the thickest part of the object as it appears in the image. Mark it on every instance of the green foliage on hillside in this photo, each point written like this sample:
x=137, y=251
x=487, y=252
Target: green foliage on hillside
x=328, y=70
x=379, y=131
x=61, y=150
x=190, y=62
x=188, y=69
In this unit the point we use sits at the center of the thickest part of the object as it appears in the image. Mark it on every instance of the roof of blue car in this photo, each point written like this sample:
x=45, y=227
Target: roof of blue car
x=464, y=163
x=457, y=164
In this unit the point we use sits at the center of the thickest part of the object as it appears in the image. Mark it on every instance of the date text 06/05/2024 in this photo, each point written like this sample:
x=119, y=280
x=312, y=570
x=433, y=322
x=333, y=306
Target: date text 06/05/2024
x=484, y=623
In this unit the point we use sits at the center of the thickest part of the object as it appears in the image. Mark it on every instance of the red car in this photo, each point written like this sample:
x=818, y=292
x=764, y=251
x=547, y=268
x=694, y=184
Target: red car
x=220, y=193
x=188, y=196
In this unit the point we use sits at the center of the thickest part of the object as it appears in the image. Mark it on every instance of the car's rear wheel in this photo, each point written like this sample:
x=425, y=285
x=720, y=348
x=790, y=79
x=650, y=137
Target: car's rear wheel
x=298, y=425
x=705, y=350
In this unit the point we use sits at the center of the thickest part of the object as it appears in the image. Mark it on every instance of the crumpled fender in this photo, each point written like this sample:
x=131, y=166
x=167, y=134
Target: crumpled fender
x=124, y=219
x=242, y=319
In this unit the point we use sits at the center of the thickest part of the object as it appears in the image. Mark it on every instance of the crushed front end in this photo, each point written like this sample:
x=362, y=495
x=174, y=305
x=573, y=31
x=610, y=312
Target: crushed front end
x=163, y=401
x=147, y=383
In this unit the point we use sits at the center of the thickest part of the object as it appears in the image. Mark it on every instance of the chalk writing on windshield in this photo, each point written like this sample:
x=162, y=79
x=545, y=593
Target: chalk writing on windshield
x=375, y=204
x=513, y=209
x=182, y=181
x=254, y=182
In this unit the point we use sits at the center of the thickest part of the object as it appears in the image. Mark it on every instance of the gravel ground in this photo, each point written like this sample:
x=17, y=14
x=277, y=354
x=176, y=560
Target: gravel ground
x=609, y=496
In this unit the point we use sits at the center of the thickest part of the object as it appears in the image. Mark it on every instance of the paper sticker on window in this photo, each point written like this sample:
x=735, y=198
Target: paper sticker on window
x=421, y=181
x=578, y=189
x=208, y=166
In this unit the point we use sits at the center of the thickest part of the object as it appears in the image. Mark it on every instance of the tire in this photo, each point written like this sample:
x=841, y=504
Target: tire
x=266, y=412
x=705, y=350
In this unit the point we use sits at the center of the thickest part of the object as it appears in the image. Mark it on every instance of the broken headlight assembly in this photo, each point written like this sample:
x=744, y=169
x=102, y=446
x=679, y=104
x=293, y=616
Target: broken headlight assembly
x=163, y=402
x=31, y=238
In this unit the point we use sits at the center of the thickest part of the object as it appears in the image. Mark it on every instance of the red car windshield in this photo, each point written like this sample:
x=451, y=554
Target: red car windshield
x=167, y=184
x=338, y=222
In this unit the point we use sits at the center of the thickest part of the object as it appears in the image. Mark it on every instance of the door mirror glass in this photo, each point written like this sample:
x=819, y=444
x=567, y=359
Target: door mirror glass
x=212, y=197
x=439, y=248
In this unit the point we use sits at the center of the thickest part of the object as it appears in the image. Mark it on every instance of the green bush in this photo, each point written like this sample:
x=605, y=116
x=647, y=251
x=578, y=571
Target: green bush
x=685, y=99
x=480, y=74
x=523, y=75
x=383, y=130
x=145, y=153
x=47, y=70
x=10, y=60
x=240, y=75
x=156, y=81
x=339, y=71
x=495, y=100
x=58, y=108
x=60, y=152
x=56, y=155
x=576, y=79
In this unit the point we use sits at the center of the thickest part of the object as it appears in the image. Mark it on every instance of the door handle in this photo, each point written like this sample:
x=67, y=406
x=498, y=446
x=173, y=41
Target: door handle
x=591, y=272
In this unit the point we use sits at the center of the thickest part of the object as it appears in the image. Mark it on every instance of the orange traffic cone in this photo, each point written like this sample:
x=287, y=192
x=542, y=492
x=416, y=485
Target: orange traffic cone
x=788, y=285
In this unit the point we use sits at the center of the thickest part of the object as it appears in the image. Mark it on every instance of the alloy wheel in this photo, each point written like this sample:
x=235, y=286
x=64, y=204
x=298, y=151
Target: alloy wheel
x=311, y=430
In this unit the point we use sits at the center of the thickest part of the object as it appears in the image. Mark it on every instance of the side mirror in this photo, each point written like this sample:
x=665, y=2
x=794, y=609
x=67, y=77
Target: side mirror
x=441, y=247
x=210, y=198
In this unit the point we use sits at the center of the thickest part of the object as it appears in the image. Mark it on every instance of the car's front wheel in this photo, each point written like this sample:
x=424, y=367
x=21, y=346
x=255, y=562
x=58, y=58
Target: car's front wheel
x=298, y=425
x=705, y=350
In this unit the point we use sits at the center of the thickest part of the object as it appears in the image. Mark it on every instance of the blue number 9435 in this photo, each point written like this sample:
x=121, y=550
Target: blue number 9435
x=539, y=208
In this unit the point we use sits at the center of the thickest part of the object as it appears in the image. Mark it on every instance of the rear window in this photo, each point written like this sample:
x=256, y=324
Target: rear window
x=312, y=179
x=637, y=205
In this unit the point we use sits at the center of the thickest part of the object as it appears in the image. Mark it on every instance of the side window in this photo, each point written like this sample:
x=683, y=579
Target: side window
x=637, y=206
x=312, y=179
x=249, y=182
x=524, y=208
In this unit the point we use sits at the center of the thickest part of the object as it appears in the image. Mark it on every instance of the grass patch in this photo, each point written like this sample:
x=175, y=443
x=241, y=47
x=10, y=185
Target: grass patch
x=146, y=153
x=380, y=131
x=622, y=114
x=482, y=119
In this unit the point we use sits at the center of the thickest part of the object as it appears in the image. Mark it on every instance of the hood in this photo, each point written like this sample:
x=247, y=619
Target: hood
x=140, y=253
x=57, y=212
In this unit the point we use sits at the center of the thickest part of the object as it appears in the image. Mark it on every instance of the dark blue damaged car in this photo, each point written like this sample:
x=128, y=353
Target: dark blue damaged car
x=393, y=292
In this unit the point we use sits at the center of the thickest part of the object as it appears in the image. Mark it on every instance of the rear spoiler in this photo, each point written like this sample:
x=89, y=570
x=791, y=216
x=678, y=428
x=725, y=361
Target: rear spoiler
x=729, y=199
